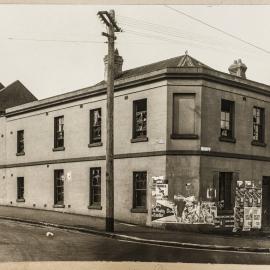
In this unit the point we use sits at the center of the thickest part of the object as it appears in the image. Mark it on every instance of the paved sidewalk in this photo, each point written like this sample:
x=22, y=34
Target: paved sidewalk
x=136, y=232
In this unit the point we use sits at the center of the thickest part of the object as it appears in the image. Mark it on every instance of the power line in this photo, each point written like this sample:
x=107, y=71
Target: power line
x=55, y=40
x=218, y=29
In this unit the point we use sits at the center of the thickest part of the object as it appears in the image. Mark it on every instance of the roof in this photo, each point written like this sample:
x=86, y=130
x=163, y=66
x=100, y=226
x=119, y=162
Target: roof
x=14, y=94
x=181, y=67
x=179, y=61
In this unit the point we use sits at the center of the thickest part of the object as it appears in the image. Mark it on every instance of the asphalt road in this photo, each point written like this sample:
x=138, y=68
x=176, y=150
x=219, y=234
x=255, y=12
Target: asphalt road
x=23, y=242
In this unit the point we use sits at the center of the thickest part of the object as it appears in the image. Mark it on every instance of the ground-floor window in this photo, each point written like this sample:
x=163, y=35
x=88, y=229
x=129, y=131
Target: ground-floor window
x=139, y=189
x=20, y=188
x=95, y=186
x=59, y=187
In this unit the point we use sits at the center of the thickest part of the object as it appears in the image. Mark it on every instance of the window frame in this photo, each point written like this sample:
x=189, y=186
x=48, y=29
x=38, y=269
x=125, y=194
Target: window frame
x=57, y=146
x=92, y=141
x=261, y=137
x=20, y=142
x=135, y=206
x=59, y=203
x=20, y=189
x=136, y=137
x=92, y=203
x=231, y=136
x=174, y=134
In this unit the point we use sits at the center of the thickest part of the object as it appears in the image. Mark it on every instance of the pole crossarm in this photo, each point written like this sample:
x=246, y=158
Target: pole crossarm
x=109, y=20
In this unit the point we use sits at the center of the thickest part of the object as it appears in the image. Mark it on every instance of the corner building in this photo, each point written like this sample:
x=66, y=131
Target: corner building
x=201, y=129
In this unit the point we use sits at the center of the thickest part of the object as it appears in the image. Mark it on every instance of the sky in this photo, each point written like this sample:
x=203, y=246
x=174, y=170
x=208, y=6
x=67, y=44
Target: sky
x=54, y=49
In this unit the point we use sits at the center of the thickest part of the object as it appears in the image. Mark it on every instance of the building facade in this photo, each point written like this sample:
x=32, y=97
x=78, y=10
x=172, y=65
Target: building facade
x=202, y=133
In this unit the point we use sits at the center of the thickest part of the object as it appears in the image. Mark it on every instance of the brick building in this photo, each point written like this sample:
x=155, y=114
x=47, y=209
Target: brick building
x=204, y=131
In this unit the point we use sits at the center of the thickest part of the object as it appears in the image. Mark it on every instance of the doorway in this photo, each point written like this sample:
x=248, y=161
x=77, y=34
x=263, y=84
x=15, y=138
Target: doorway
x=266, y=202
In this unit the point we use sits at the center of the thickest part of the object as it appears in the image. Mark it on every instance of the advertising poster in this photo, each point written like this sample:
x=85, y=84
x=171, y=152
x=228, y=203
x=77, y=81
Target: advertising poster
x=248, y=217
x=162, y=209
x=257, y=217
x=247, y=211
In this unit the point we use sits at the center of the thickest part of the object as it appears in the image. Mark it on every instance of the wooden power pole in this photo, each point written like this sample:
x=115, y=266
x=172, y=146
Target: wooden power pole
x=108, y=18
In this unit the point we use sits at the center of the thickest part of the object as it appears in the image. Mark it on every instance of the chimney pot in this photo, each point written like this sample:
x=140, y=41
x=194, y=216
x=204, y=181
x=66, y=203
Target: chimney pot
x=238, y=68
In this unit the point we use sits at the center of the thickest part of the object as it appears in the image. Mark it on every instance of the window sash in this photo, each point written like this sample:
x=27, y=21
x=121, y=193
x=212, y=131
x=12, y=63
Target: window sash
x=95, y=125
x=140, y=118
x=226, y=118
x=140, y=189
x=258, y=124
x=59, y=131
x=20, y=141
x=20, y=188
x=95, y=186
x=58, y=187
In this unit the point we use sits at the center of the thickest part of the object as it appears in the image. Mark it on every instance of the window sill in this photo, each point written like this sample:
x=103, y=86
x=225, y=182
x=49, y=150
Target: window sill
x=58, y=206
x=95, y=144
x=96, y=207
x=184, y=136
x=227, y=139
x=138, y=210
x=58, y=149
x=20, y=200
x=20, y=154
x=256, y=143
x=135, y=140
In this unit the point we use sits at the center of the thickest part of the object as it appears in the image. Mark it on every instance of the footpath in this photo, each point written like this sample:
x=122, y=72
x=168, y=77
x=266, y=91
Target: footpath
x=136, y=233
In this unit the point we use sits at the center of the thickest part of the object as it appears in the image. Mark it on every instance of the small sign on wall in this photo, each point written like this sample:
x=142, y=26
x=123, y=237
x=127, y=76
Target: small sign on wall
x=69, y=176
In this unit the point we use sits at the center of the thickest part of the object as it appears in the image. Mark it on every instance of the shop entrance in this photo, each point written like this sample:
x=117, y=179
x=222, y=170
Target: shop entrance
x=266, y=202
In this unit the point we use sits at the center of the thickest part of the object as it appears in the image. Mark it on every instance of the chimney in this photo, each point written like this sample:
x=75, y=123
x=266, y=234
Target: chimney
x=238, y=69
x=118, y=63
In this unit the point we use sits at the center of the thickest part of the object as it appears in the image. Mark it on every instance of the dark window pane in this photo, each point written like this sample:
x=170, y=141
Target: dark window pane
x=95, y=125
x=59, y=187
x=20, y=141
x=59, y=131
x=20, y=188
x=226, y=124
x=140, y=118
x=140, y=189
x=95, y=186
x=258, y=124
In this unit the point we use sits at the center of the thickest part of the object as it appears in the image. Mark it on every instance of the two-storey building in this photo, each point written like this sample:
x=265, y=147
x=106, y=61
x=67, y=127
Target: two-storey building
x=204, y=131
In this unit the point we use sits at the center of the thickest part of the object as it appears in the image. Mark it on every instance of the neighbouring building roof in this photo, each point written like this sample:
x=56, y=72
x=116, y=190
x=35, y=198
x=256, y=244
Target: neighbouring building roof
x=13, y=95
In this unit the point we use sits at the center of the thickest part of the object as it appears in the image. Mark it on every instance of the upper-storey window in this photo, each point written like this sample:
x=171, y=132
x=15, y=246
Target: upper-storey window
x=59, y=132
x=95, y=126
x=258, y=124
x=140, y=119
x=20, y=142
x=183, y=116
x=227, y=119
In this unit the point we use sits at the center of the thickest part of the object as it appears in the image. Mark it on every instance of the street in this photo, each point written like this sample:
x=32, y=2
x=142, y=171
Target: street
x=23, y=242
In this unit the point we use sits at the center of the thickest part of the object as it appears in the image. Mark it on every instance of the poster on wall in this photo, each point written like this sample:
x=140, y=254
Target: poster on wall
x=257, y=218
x=247, y=211
x=162, y=209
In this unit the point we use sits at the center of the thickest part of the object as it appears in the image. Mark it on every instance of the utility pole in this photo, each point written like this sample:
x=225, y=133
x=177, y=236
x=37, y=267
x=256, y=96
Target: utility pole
x=108, y=18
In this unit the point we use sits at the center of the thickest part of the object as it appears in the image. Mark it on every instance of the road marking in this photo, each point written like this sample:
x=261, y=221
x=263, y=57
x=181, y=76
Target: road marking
x=201, y=249
x=130, y=225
